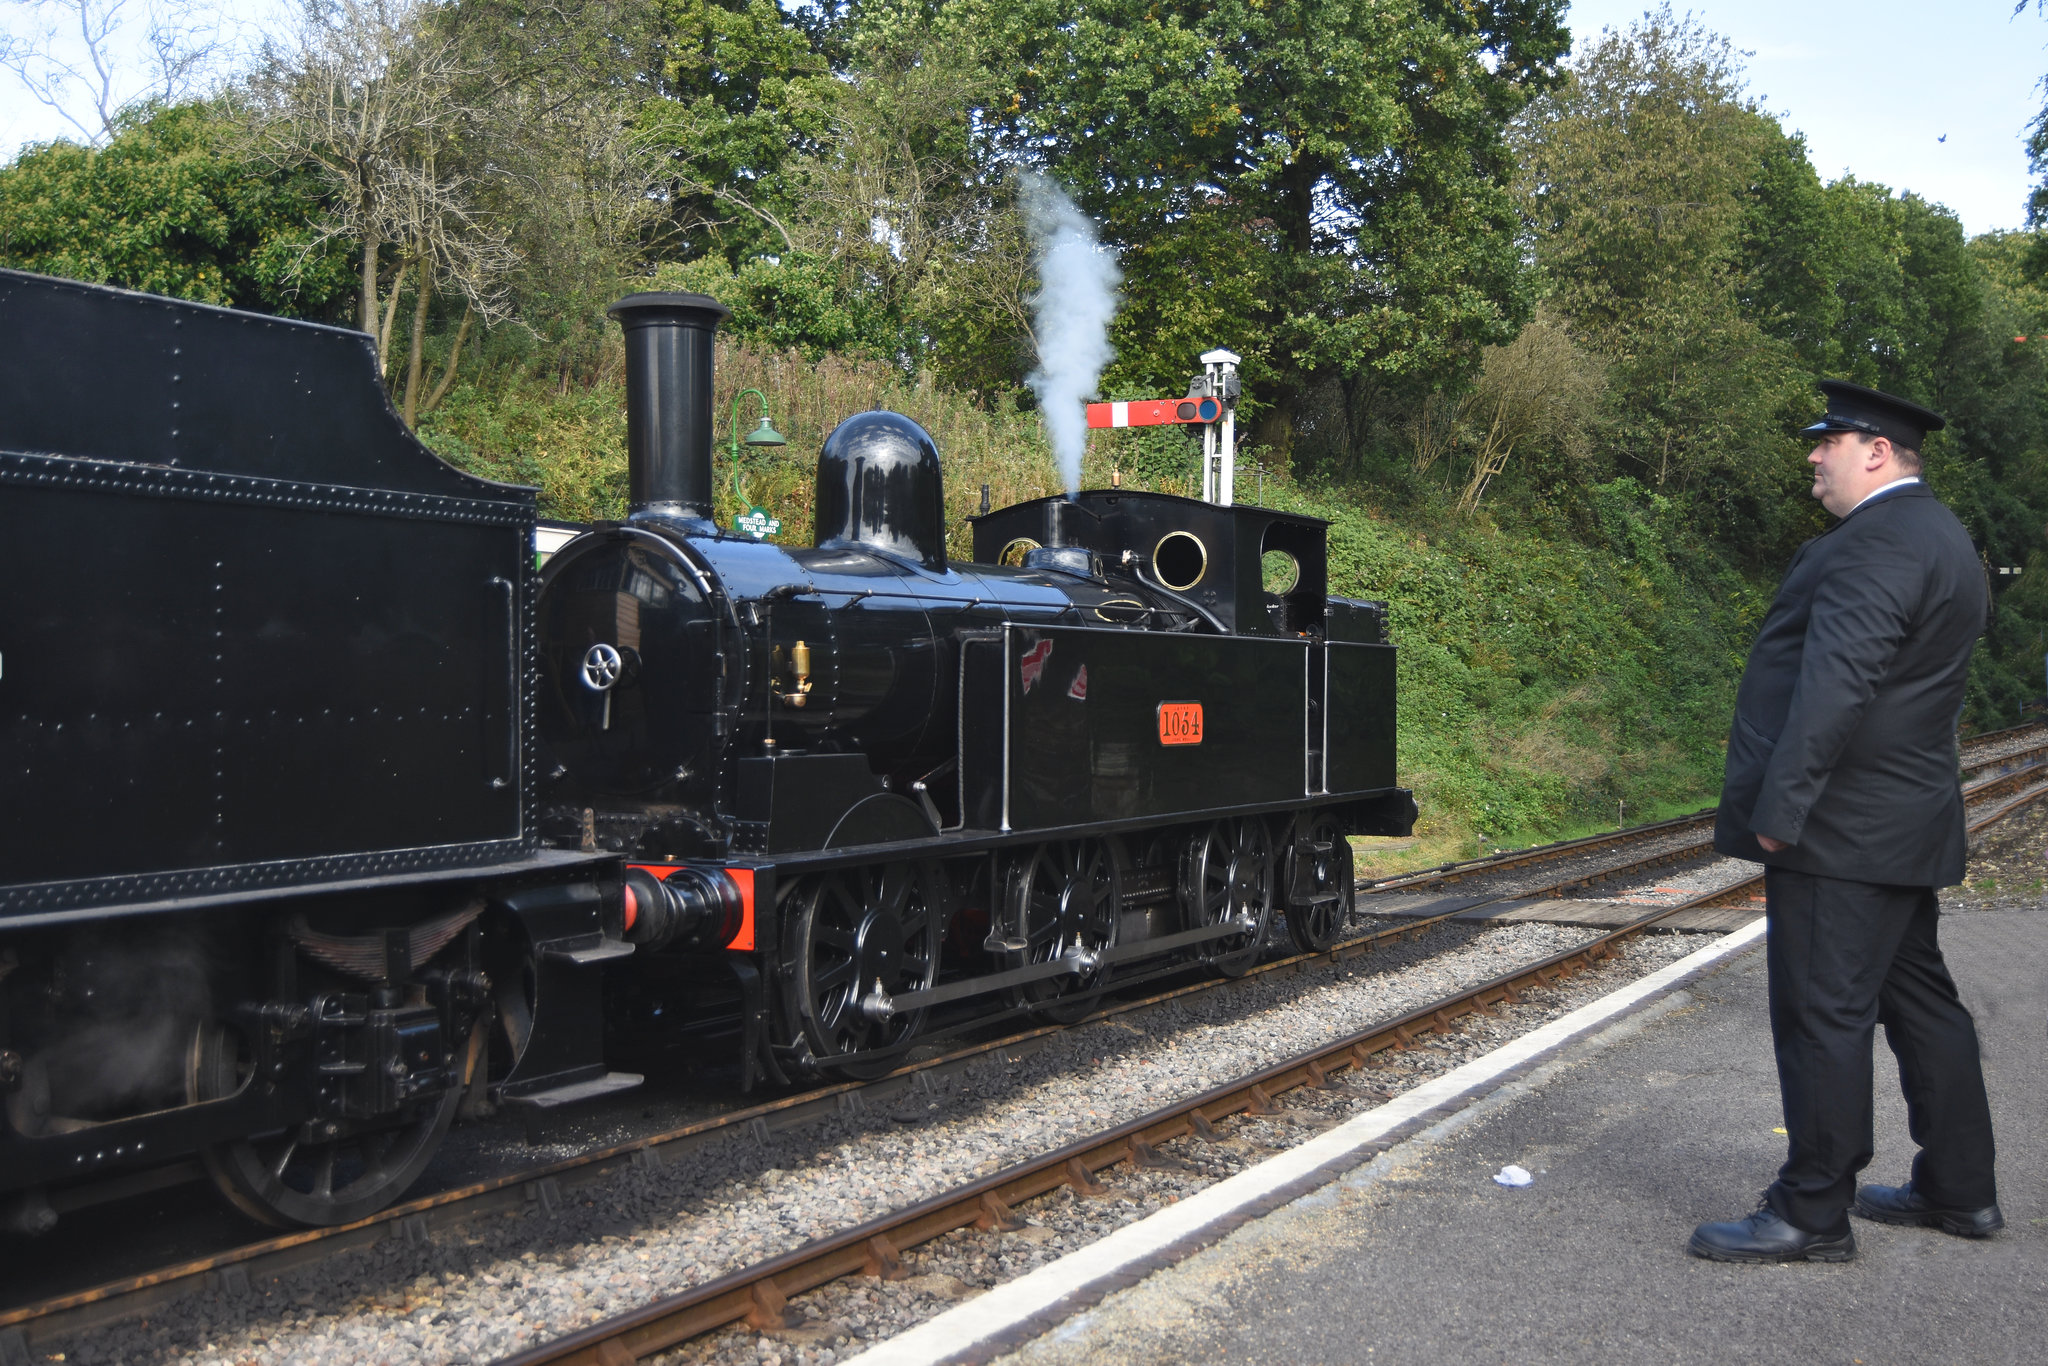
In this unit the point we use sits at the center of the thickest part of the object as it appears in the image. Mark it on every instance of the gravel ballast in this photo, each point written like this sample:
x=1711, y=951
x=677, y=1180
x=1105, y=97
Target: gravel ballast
x=846, y=1317
x=503, y=1283
x=1680, y=882
x=2008, y=869
x=1562, y=868
x=1986, y=750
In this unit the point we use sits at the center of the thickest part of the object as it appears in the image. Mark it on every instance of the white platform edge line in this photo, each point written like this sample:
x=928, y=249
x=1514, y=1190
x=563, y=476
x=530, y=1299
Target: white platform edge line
x=961, y=1328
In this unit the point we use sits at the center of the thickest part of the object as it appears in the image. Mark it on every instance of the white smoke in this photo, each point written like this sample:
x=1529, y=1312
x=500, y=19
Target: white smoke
x=1076, y=298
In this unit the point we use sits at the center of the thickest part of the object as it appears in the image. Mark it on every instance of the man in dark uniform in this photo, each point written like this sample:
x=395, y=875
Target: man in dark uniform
x=1841, y=779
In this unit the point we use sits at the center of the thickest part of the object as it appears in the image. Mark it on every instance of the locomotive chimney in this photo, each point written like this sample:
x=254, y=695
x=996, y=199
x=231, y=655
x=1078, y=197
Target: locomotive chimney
x=668, y=401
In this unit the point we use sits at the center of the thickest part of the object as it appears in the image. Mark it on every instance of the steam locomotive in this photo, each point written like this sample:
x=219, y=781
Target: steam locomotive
x=329, y=818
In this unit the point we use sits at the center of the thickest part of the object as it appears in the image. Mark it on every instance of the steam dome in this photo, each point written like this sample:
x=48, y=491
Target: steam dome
x=879, y=487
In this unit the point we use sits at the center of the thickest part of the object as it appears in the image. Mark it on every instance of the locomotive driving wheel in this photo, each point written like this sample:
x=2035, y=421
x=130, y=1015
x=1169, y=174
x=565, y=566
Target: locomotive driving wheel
x=859, y=937
x=1065, y=900
x=1323, y=873
x=318, y=1172
x=1226, y=878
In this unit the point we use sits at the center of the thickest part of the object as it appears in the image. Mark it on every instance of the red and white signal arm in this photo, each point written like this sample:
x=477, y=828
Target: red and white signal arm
x=1154, y=412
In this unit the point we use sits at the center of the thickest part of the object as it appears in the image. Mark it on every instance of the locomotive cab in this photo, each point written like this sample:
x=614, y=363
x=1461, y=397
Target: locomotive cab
x=1255, y=570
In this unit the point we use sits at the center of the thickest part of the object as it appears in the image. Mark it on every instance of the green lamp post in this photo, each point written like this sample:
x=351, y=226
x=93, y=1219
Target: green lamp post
x=754, y=521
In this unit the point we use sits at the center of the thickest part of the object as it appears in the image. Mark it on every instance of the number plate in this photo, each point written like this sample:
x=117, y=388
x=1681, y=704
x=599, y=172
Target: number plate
x=1180, y=723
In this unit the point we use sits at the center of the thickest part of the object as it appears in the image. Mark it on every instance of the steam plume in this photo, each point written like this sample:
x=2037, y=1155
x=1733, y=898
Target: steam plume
x=1076, y=299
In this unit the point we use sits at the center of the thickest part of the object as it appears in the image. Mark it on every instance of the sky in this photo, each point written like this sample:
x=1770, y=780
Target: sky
x=23, y=119
x=1875, y=85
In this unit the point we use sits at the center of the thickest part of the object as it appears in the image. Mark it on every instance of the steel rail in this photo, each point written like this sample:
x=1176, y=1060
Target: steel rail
x=2025, y=797
x=1982, y=736
x=414, y=1218
x=2030, y=757
x=1450, y=872
x=2001, y=784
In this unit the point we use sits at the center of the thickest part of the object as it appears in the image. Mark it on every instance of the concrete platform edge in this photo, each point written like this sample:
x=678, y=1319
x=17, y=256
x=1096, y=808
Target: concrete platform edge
x=989, y=1325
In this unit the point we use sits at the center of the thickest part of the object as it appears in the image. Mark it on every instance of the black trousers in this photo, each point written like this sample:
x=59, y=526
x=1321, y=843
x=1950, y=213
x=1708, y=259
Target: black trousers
x=1843, y=956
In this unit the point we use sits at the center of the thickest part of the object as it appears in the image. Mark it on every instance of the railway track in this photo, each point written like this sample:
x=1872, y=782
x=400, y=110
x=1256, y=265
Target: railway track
x=759, y=1296
x=548, y=1185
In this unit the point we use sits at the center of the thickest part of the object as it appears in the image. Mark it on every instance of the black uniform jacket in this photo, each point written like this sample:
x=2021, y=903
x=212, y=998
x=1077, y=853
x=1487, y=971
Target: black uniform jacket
x=1844, y=738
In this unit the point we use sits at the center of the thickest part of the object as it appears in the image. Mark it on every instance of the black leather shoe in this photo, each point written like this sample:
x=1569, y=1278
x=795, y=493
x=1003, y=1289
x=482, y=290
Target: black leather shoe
x=1903, y=1205
x=1764, y=1237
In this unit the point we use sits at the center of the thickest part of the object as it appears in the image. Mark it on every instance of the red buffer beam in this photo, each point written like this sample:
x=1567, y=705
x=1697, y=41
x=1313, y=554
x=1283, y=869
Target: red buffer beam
x=1153, y=412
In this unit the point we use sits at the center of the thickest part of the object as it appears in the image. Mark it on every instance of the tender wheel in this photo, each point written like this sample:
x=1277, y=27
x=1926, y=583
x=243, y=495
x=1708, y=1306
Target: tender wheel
x=1065, y=900
x=301, y=1175
x=858, y=935
x=1325, y=875
x=1226, y=878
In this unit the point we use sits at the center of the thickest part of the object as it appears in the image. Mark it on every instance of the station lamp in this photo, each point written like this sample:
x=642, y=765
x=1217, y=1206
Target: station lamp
x=754, y=521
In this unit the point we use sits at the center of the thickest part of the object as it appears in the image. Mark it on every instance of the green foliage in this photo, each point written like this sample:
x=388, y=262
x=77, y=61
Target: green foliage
x=742, y=96
x=169, y=206
x=1651, y=184
x=794, y=302
x=1544, y=678
x=1346, y=157
x=1199, y=279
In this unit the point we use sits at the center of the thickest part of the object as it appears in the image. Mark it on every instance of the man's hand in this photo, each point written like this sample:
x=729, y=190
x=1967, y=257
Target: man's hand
x=1770, y=845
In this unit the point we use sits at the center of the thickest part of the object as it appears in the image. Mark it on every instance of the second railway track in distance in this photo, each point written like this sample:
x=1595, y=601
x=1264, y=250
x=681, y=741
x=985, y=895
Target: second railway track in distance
x=1997, y=785
x=1992, y=763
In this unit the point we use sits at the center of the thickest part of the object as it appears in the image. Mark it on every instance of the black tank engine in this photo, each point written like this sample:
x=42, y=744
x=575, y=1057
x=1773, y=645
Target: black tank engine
x=1133, y=728
x=330, y=819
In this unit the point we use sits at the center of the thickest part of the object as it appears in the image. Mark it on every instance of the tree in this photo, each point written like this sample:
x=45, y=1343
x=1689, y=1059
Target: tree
x=377, y=95
x=740, y=95
x=2037, y=147
x=69, y=57
x=1353, y=148
x=169, y=205
x=1541, y=388
x=882, y=228
x=899, y=199
x=1641, y=181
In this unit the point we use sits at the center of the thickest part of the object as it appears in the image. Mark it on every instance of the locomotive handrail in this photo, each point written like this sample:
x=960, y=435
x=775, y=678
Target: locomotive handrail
x=515, y=698
x=854, y=596
x=1204, y=613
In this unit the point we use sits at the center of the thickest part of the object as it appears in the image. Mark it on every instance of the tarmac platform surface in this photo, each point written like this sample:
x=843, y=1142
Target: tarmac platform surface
x=1421, y=1257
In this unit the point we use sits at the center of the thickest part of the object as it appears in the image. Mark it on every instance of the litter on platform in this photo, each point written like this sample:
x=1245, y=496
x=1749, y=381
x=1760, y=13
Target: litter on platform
x=1511, y=1175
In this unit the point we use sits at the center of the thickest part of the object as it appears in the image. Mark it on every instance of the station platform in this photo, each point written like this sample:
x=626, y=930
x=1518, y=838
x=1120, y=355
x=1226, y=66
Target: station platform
x=1632, y=1137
